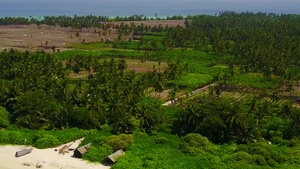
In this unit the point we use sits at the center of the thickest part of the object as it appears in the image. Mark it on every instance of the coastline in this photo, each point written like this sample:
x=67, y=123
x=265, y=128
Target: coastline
x=49, y=157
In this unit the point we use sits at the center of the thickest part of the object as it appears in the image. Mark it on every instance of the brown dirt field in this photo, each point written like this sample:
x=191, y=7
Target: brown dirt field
x=138, y=66
x=33, y=37
x=170, y=23
x=132, y=64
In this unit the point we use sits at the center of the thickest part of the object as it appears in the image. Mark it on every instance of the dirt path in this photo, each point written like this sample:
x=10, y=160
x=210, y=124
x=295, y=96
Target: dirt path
x=195, y=92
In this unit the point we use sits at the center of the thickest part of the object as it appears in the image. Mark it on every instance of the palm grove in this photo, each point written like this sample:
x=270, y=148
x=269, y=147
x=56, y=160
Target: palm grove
x=36, y=91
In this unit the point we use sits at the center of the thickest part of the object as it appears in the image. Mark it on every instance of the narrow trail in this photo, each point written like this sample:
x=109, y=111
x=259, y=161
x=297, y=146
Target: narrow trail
x=170, y=103
x=195, y=92
x=83, y=75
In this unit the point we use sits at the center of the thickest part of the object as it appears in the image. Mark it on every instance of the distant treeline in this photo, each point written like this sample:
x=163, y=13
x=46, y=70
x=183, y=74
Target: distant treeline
x=76, y=22
x=95, y=21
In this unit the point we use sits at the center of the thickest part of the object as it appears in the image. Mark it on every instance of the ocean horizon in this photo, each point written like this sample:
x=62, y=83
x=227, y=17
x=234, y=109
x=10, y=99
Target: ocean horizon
x=113, y=8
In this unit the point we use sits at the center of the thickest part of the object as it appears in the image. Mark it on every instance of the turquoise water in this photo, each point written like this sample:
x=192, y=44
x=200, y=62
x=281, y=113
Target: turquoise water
x=162, y=8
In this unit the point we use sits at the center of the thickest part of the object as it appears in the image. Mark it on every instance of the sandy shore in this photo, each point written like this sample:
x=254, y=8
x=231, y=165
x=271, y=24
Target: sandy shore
x=49, y=157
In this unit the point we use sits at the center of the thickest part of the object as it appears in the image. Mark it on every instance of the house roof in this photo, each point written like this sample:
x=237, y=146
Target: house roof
x=113, y=157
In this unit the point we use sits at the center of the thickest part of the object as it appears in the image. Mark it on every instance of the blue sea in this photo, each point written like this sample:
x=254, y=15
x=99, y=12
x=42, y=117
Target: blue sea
x=162, y=8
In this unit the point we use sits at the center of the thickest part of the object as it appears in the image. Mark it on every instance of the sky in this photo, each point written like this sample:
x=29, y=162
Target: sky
x=146, y=7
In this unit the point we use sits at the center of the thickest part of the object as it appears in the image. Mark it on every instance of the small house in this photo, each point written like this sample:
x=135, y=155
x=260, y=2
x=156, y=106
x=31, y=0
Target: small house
x=81, y=150
x=113, y=157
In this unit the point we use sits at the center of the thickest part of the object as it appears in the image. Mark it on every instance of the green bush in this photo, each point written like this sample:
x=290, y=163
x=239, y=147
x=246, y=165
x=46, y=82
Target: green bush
x=294, y=142
x=99, y=140
x=12, y=137
x=16, y=137
x=4, y=117
x=4, y=139
x=140, y=134
x=128, y=138
x=260, y=160
x=240, y=157
x=280, y=141
x=97, y=154
x=95, y=138
x=47, y=141
x=69, y=135
x=192, y=80
x=248, y=80
x=106, y=127
x=39, y=134
x=121, y=141
x=278, y=153
x=242, y=147
x=260, y=148
x=195, y=144
x=273, y=163
x=161, y=140
x=149, y=161
x=293, y=155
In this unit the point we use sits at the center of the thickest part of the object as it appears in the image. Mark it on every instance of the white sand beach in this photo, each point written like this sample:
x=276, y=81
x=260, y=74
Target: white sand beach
x=49, y=157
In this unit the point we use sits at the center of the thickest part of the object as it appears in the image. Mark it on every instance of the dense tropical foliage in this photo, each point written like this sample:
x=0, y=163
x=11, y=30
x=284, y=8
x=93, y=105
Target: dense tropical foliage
x=248, y=118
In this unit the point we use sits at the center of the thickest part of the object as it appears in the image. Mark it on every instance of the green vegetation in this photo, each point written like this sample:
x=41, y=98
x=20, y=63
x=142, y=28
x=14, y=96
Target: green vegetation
x=192, y=81
x=41, y=138
x=247, y=119
x=147, y=153
x=259, y=82
x=4, y=117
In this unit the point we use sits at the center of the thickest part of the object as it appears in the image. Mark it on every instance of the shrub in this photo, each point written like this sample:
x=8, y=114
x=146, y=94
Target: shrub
x=95, y=138
x=106, y=127
x=293, y=155
x=12, y=127
x=260, y=160
x=121, y=141
x=71, y=134
x=195, y=144
x=97, y=154
x=240, y=157
x=294, y=160
x=260, y=148
x=242, y=147
x=128, y=138
x=273, y=163
x=153, y=133
x=140, y=134
x=161, y=140
x=46, y=141
x=192, y=80
x=280, y=141
x=149, y=160
x=278, y=153
x=16, y=137
x=99, y=140
x=4, y=117
x=116, y=143
x=4, y=139
x=165, y=128
x=294, y=142
x=40, y=134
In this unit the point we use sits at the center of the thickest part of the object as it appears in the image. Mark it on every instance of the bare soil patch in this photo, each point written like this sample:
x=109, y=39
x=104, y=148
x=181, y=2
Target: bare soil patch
x=139, y=66
x=43, y=37
x=33, y=38
x=170, y=23
x=132, y=64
